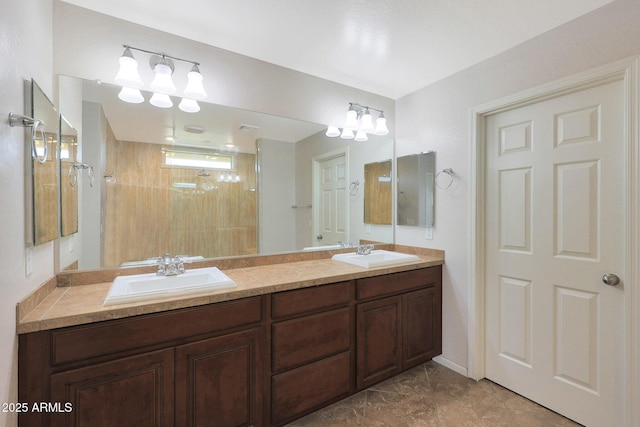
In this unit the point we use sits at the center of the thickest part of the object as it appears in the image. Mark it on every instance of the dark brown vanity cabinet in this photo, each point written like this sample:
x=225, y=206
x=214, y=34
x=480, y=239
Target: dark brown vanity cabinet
x=398, y=323
x=259, y=361
x=188, y=367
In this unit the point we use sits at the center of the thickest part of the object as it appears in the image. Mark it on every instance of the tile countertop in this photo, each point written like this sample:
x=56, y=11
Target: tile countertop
x=54, y=306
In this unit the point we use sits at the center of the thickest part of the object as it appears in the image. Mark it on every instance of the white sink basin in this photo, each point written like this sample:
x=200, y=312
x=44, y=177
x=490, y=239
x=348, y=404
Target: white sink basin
x=377, y=258
x=142, y=287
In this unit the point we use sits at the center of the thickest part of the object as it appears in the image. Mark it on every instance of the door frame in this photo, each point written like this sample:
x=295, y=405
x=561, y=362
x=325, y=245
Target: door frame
x=627, y=70
x=315, y=182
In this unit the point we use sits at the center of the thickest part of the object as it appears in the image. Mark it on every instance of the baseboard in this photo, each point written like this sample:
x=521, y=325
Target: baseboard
x=451, y=365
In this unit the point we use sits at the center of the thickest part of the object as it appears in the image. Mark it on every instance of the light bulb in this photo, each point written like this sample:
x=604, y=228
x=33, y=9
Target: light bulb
x=189, y=105
x=161, y=100
x=346, y=134
x=131, y=95
x=128, y=73
x=194, y=89
x=367, y=122
x=237, y=178
x=162, y=82
x=332, y=131
x=361, y=136
x=381, y=125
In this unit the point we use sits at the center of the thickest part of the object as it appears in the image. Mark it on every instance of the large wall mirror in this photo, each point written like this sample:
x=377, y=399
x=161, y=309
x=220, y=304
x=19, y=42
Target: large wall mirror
x=43, y=209
x=416, y=180
x=220, y=182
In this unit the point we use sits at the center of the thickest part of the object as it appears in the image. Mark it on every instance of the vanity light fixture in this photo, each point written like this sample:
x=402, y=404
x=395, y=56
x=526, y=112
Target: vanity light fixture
x=359, y=122
x=162, y=85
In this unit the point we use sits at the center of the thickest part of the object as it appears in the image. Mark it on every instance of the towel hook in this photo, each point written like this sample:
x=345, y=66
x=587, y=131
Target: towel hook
x=354, y=187
x=34, y=124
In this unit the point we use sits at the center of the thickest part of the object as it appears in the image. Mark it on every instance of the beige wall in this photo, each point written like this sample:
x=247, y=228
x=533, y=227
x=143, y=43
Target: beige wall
x=437, y=118
x=26, y=51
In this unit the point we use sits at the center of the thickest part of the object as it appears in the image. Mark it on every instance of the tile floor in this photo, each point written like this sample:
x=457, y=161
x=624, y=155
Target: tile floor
x=432, y=395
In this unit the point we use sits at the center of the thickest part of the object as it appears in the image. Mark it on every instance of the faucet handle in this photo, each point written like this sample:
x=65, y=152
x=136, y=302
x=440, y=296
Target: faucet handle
x=364, y=249
x=161, y=266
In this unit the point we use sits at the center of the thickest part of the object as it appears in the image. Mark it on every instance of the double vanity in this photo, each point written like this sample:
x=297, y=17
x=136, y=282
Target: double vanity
x=292, y=334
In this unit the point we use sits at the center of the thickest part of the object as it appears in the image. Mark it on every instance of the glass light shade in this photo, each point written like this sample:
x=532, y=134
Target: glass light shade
x=361, y=136
x=162, y=82
x=194, y=89
x=237, y=179
x=332, y=131
x=381, y=126
x=189, y=105
x=366, y=124
x=161, y=100
x=351, y=122
x=131, y=95
x=128, y=73
x=347, y=134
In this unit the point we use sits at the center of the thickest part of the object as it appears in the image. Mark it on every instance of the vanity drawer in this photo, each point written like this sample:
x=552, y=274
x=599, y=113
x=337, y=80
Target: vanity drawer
x=302, y=390
x=308, y=300
x=306, y=339
x=134, y=333
x=372, y=287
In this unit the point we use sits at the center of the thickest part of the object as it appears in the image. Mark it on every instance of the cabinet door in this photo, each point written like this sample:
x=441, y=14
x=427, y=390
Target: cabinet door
x=218, y=381
x=421, y=327
x=135, y=391
x=379, y=340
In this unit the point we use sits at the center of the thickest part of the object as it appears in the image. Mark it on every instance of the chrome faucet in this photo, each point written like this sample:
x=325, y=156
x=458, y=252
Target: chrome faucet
x=168, y=266
x=364, y=249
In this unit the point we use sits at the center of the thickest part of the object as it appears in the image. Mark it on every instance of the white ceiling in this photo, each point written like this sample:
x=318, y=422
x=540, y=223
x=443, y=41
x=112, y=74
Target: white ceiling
x=221, y=127
x=388, y=47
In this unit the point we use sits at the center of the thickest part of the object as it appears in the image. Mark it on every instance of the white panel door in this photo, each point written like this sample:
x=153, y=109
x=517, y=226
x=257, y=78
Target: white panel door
x=332, y=209
x=554, y=227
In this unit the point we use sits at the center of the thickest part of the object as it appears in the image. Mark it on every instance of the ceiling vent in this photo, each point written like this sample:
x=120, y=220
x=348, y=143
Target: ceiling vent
x=194, y=129
x=248, y=128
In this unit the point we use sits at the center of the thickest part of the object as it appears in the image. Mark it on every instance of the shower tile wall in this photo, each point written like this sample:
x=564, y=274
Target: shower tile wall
x=146, y=215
